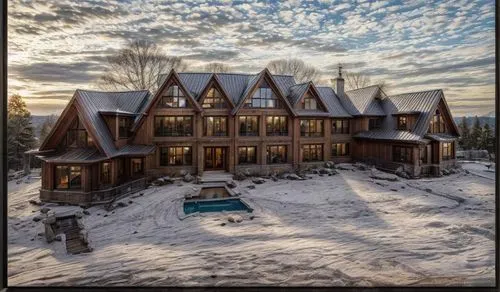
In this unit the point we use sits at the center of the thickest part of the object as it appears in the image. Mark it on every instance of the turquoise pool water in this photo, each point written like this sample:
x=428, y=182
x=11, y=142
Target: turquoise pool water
x=215, y=206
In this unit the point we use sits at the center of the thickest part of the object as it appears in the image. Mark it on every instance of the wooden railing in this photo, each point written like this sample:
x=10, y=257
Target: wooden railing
x=93, y=197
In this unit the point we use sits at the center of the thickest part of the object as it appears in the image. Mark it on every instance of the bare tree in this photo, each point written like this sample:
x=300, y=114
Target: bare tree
x=296, y=67
x=138, y=66
x=355, y=80
x=216, y=67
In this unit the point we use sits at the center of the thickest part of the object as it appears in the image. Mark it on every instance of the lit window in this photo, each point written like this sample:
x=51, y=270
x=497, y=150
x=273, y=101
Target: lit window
x=340, y=149
x=247, y=155
x=175, y=156
x=340, y=127
x=68, y=177
x=214, y=100
x=276, y=154
x=276, y=126
x=311, y=128
x=215, y=126
x=249, y=125
x=173, y=98
x=170, y=126
x=312, y=152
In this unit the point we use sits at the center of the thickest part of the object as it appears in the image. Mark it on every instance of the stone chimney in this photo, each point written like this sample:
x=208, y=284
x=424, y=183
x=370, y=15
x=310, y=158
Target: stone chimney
x=340, y=82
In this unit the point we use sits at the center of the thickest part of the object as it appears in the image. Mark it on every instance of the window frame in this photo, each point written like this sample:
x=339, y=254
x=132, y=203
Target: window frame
x=166, y=155
x=246, y=160
x=217, y=100
x=183, y=133
x=271, y=127
x=103, y=179
x=344, y=149
x=344, y=126
x=318, y=150
x=374, y=123
x=309, y=100
x=215, y=133
x=402, y=123
x=176, y=95
x=123, y=130
x=75, y=132
x=449, y=149
x=276, y=149
x=402, y=154
x=68, y=171
x=251, y=102
x=247, y=133
x=305, y=130
x=132, y=167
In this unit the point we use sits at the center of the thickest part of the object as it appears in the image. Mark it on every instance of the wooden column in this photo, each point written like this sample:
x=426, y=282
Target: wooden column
x=327, y=148
x=295, y=142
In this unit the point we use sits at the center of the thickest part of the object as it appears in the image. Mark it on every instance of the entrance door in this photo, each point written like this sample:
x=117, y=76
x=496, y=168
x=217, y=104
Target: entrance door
x=215, y=158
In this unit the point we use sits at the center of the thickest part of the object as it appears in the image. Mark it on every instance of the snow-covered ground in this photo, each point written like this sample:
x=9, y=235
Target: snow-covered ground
x=343, y=230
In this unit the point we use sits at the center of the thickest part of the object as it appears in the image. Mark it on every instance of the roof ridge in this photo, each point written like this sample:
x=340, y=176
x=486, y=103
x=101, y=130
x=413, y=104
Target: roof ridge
x=363, y=87
x=404, y=93
x=100, y=91
x=222, y=73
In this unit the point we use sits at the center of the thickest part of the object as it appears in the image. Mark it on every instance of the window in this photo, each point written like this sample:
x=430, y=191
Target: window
x=137, y=166
x=106, y=173
x=311, y=128
x=247, y=155
x=309, y=102
x=276, y=154
x=68, y=177
x=263, y=98
x=437, y=124
x=312, y=152
x=215, y=126
x=402, y=123
x=276, y=126
x=173, y=98
x=175, y=156
x=249, y=126
x=447, y=150
x=402, y=154
x=173, y=126
x=77, y=136
x=214, y=100
x=123, y=127
x=340, y=149
x=374, y=123
x=340, y=127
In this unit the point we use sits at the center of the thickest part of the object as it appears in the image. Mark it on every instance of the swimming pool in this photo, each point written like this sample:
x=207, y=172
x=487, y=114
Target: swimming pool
x=215, y=206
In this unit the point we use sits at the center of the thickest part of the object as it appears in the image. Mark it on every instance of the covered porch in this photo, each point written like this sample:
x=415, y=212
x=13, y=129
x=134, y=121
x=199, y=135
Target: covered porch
x=84, y=176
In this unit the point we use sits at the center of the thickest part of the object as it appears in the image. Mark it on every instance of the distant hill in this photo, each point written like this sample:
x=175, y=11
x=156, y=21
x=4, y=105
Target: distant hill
x=483, y=120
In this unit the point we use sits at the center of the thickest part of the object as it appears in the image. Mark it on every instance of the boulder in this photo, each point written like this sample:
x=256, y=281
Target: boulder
x=86, y=212
x=50, y=220
x=360, y=166
x=345, y=166
x=445, y=172
x=377, y=174
x=274, y=177
x=329, y=164
x=258, y=180
x=239, y=176
x=37, y=218
x=234, y=218
x=78, y=214
x=34, y=202
x=316, y=171
x=251, y=187
x=231, y=184
x=121, y=204
x=44, y=210
x=188, y=178
x=58, y=237
x=183, y=172
x=293, y=176
x=197, y=180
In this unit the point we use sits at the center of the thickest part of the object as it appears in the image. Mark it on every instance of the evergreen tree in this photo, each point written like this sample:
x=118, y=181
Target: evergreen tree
x=476, y=134
x=20, y=134
x=486, y=137
x=464, y=140
x=46, y=127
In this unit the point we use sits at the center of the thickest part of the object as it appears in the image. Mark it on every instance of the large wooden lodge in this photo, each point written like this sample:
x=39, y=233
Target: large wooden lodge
x=108, y=143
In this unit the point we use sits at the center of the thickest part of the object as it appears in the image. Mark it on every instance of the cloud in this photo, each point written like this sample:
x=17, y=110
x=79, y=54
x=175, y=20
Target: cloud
x=212, y=55
x=80, y=72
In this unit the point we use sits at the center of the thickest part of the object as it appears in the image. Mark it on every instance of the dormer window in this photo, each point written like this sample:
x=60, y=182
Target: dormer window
x=309, y=103
x=174, y=97
x=263, y=97
x=123, y=127
x=374, y=123
x=214, y=100
x=402, y=123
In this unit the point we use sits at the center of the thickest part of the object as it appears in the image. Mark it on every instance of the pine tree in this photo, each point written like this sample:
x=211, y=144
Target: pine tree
x=20, y=134
x=46, y=127
x=476, y=133
x=486, y=136
x=464, y=140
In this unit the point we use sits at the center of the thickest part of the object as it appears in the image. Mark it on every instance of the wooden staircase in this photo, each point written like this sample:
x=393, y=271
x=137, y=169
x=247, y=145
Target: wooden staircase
x=74, y=244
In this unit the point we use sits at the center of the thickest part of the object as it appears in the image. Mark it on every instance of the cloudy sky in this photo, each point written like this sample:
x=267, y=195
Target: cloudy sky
x=58, y=46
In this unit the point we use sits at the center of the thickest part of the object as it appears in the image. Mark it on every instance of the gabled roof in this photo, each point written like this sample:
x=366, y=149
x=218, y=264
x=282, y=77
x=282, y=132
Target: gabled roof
x=90, y=103
x=195, y=82
x=78, y=155
x=296, y=91
x=363, y=101
x=333, y=103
